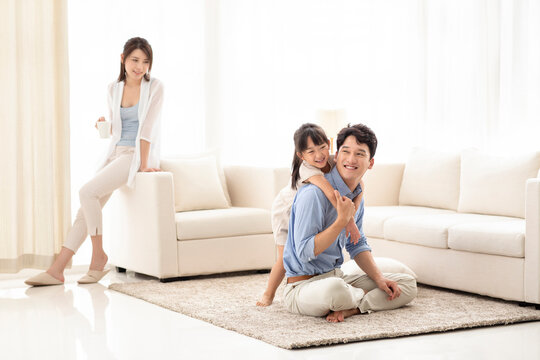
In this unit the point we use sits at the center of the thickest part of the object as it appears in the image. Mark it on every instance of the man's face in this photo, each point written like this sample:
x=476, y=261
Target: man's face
x=352, y=161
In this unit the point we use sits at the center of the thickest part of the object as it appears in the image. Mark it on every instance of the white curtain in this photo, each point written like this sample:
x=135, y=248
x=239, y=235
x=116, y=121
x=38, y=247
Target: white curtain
x=34, y=123
x=445, y=74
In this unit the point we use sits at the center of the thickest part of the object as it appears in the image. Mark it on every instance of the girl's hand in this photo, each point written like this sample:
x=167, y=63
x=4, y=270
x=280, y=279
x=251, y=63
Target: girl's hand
x=352, y=229
x=100, y=119
x=345, y=208
x=145, y=169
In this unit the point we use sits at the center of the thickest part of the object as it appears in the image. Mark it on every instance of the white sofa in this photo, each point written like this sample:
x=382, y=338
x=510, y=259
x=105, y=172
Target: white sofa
x=151, y=238
x=467, y=221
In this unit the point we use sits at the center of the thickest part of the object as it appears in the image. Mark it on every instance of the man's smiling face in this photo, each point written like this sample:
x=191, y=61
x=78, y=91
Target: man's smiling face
x=352, y=161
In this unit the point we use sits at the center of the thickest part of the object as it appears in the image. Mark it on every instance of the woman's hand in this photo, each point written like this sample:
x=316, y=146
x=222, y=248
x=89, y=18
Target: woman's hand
x=100, y=119
x=147, y=169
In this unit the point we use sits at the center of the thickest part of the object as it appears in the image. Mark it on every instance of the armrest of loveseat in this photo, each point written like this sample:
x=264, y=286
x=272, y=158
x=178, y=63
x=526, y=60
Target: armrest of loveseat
x=255, y=186
x=383, y=183
x=141, y=225
x=532, y=241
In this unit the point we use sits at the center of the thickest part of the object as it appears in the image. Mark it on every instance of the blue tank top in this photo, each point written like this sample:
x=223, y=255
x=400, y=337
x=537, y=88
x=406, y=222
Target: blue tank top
x=130, y=125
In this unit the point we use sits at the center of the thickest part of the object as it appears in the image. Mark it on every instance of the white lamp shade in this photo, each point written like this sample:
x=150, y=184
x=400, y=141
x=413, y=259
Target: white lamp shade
x=332, y=121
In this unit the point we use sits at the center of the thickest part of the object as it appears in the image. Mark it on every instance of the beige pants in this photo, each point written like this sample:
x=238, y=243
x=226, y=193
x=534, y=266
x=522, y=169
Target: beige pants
x=334, y=291
x=95, y=193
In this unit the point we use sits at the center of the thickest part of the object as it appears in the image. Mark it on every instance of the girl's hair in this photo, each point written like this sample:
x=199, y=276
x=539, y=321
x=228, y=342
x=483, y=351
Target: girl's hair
x=307, y=130
x=131, y=45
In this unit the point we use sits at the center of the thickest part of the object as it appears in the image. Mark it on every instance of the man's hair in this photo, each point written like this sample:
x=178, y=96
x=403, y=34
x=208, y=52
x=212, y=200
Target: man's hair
x=363, y=135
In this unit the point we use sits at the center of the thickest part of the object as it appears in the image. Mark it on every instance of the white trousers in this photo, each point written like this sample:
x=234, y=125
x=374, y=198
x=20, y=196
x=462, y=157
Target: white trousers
x=334, y=291
x=95, y=193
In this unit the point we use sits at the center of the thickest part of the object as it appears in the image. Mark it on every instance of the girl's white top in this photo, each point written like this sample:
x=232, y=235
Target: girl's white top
x=149, y=113
x=281, y=207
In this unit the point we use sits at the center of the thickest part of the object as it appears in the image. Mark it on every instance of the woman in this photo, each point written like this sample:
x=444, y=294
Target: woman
x=134, y=102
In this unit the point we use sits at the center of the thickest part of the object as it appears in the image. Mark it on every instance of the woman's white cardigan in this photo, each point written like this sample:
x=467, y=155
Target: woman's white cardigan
x=150, y=101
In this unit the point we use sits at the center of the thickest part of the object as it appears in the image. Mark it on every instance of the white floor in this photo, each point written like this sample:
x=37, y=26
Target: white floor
x=92, y=322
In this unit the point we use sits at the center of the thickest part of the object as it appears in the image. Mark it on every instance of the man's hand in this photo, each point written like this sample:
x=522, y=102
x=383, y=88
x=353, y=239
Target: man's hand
x=352, y=229
x=390, y=287
x=345, y=208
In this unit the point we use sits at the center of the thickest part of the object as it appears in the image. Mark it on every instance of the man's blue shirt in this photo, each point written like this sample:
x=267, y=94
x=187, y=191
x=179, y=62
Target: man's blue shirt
x=311, y=213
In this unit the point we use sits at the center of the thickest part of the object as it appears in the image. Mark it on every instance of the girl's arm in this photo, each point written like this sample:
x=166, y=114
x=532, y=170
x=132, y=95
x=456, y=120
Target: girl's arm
x=358, y=200
x=323, y=184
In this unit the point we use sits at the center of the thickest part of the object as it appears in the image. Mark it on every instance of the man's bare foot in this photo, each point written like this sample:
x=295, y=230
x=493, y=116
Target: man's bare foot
x=265, y=300
x=339, y=316
x=56, y=275
x=98, y=261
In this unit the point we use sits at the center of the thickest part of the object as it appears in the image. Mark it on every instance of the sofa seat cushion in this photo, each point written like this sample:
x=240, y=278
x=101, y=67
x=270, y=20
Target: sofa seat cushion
x=234, y=221
x=375, y=216
x=430, y=230
x=505, y=237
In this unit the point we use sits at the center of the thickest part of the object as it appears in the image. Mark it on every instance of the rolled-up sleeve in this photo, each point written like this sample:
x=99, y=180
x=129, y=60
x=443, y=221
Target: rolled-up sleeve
x=154, y=111
x=308, y=222
x=361, y=245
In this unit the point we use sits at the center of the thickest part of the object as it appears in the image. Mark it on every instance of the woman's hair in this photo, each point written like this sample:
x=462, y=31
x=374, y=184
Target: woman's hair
x=131, y=45
x=307, y=130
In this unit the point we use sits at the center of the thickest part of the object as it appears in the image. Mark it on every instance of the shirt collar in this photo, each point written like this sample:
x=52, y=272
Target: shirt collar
x=337, y=182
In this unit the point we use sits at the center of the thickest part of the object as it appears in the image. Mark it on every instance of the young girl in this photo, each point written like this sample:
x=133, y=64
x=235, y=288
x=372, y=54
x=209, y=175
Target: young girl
x=310, y=162
x=134, y=101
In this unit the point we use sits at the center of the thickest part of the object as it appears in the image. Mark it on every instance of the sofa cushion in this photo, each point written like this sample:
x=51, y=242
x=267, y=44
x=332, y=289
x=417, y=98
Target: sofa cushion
x=505, y=238
x=375, y=216
x=495, y=185
x=234, y=221
x=430, y=230
x=197, y=184
x=431, y=178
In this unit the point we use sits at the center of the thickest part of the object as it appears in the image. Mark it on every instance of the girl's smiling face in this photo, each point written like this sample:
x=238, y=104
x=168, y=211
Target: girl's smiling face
x=136, y=64
x=315, y=155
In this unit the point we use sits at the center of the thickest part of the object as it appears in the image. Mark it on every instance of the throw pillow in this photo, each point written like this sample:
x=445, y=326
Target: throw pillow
x=197, y=185
x=430, y=178
x=221, y=172
x=495, y=185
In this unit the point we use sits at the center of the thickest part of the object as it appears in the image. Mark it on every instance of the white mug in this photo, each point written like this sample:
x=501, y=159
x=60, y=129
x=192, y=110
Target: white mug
x=104, y=128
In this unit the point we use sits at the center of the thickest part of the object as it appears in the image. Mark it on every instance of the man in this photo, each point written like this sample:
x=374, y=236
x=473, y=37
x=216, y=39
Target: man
x=312, y=256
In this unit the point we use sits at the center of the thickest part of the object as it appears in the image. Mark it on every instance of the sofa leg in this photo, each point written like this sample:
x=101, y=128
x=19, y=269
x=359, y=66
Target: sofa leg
x=524, y=304
x=120, y=269
x=168, y=280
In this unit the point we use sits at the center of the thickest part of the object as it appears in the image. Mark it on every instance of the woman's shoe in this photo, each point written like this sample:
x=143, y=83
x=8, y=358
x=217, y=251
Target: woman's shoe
x=93, y=276
x=43, y=279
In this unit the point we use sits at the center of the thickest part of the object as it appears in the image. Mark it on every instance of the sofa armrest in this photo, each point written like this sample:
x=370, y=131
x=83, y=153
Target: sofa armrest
x=141, y=225
x=255, y=186
x=532, y=242
x=383, y=183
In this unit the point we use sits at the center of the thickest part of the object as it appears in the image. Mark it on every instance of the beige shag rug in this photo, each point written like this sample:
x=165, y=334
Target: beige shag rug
x=229, y=302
